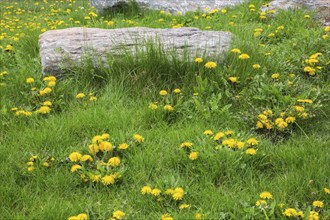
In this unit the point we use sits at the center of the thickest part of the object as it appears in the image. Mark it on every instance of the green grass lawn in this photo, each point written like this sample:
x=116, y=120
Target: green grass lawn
x=243, y=136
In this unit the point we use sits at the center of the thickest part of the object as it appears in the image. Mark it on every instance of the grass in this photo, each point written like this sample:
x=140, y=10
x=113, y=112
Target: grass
x=224, y=182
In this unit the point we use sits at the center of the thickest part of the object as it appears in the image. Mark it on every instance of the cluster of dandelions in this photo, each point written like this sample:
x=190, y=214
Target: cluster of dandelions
x=83, y=98
x=168, y=197
x=266, y=205
x=285, y=120
x=39, y=161
x=168, y=101
x=116, y=215
x=41, y=100
x=102, y=162
x=314, y=64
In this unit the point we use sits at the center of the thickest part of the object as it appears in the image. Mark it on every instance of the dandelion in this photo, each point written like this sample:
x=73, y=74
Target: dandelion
x=177, y=91
x=166, y=217
x=31, y=168
x=92, y=98
x=51, y=83
x=240, y=144
x=256, y=66
x=97, y=139
x=82, y=216
x=326, y=190
x=252, y=141
x=199, y=216
x=93, y=148
x=261, y=202
x=327, y=29
x=307, y=16
x=318, y=204
x=275, y=76
x=118, y=214
x=211, y=65
x=155, y=192
x=95, y=178
x=198, y=60
x=168, y=108
x=299, y=108
x=186, y=145
x=290, y=119
x=47, y=103
x=218, y=136
x=178, y=193
x=153, y=106
x=43, y=110
x=163, y=92
x=123, y=146
x=75, y=167
x=29, y=80
x=243, y=56
x=310, y=70
x=114, y=161
x=75, y=156
x=138, y=138
x=208, y=132
x=233, y=79
x=251, y=151
x=85, y=158
x=105, y=146
x=236, y=50
x=45, y=164
x=146, y=190
x=193, y=155
x=313, y=215
x=80, y=95
x=184, y=206
x=108, y=180
x=290, y=212
x=266, y=195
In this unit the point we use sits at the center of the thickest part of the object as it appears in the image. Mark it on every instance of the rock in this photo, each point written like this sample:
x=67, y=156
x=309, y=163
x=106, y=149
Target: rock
x=60, y=49
x=322, y=6
x=170, y=6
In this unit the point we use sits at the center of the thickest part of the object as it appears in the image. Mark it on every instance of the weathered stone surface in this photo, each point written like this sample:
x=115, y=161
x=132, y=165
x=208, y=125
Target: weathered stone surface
x=322, y=6
x=60, y=48
x=169, y=5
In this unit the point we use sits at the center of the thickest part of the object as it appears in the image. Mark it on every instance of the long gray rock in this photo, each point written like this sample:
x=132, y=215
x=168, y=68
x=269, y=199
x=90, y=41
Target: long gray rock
x=169, y=5
x=321, y=6
x=67, y=47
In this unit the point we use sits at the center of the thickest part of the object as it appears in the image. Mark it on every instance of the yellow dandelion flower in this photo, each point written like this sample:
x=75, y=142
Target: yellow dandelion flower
x=47, y=103
x=31, y=168
x=80, y=95
x=243, y=56
x=49, y=78
x=307, y=16
x=82, y=216
x=208, y=132
x=166, y=217
x=108, y=180
x=218, y=136
x=236, y=50
x=259, y=124
x=153, y=106
x=299, y=108
x=199, y=216
x=97, y=139
x=290, y=212
x=240, y=144
x=186, y=145
x=105, y=146
x=45, y=164
x=86, y=157
x=177, y=91
x=75, y=167
x=251, y=151
x=233, y=79
x=93, y=148
x=118, y=214
x=146, y=190
x=123, y=146
x=313, y=215
x=30, y=80
x=168, y=108
x=95, y=178
x=252, y=141
x=184, y=206
x=138, y=138
x=114, y=161
x=75, y=156
x=43, y=110
x=155, y=192
x=275, y=76
x=318, y=204
x=327, y=29
x=193, y=155
x=290, y=119
x=210, y=65
x=198, y=60
x=256, y=66
x=51, y=83
x=326, y=190
x=261, y=202
x=163, y=92
x=266, y=195
x=169, y=191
